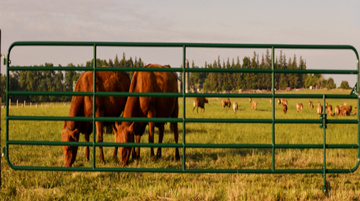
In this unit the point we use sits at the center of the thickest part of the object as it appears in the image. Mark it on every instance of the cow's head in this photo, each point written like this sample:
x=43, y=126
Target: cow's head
x=70, y=151
x=123, y=134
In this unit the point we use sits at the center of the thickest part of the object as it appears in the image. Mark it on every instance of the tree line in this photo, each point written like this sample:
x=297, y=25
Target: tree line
x=235, y=81
x=60, y=81
x=63, y=81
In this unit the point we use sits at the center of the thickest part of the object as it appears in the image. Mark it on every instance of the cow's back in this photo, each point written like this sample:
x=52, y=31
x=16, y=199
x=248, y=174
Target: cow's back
x=109, y=106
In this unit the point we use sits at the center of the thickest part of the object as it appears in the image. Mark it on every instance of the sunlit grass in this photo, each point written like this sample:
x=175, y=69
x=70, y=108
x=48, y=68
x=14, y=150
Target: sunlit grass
x=49, y=185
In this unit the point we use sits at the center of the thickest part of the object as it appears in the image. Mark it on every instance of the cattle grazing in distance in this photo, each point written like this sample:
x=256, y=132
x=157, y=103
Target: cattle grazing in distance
x=270, y=100
x=110, y=106
x=311, y=104
x=345, y=110
x=250, y=100
x=226, y=103
x=337, y=110
x=148, y=107
x=284, y=108
x=235, y=107
x=284, y=101
x=319, y=108
x=329, y=110
x=253, y=105
x=354, y=113
x=278, y=101
x=199, y=102
x=299, y=107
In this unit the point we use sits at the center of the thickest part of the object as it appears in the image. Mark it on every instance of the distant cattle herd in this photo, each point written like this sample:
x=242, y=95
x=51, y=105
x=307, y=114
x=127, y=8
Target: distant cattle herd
x=342, y=110
x=143, y=107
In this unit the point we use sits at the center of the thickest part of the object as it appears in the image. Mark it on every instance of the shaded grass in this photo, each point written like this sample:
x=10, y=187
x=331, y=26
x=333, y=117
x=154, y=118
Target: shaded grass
x=49, y=185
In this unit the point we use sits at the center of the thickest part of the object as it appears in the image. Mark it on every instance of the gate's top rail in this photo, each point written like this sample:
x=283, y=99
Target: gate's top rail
x=197, y=45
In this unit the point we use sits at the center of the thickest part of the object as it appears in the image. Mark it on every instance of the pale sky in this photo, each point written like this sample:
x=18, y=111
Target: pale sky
x=200, y=21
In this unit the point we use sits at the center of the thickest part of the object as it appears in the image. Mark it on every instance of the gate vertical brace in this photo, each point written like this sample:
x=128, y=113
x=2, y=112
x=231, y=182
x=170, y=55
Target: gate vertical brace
x=273, y=106
x=325, y=187
x=94, y=109
x=184, y=108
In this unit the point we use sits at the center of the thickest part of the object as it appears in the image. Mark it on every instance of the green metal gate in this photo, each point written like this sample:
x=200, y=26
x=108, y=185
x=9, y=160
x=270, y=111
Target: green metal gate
x=323, y=121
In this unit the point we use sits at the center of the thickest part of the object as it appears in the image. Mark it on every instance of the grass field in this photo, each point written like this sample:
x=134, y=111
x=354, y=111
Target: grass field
x=51, y=185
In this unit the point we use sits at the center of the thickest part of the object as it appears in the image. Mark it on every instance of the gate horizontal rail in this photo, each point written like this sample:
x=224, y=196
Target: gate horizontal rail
x=323, y=121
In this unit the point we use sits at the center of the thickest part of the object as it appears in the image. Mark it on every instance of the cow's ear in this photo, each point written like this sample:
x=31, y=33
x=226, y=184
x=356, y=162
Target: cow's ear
x=75, y=134
x=131, y=128
x=115, y=126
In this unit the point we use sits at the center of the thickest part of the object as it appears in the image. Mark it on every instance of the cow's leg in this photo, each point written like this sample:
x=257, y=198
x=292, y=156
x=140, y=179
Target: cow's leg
x=99, y=134
x=161, y=135
x=115, y=152
x=151, y=133
x=176, y=137
x=87, y=136
x=136, y=155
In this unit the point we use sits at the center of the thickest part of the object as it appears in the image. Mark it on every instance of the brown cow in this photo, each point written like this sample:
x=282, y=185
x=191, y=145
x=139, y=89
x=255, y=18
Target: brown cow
x=253, y=105
x=284, y=101
x=82, y=106
x=337, y=110
x=354, y=113
x=148, y=107
x=345, y=110
x=284, y=108
x=299, y=107
x=226, y=103
x=250, y=100
x=319, y=108
x=329, y=110
x=278, y=101
x=235, y=107
x=199, y=102
x=311, y=104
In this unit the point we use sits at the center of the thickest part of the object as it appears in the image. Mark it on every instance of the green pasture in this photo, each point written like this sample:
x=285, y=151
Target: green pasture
x=50, y=185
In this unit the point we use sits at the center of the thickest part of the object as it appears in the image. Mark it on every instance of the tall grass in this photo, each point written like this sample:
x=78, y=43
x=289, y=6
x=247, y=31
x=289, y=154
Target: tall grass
x=49, y=185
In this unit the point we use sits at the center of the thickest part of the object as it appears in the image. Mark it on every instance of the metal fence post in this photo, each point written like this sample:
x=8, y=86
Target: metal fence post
x=0, y=109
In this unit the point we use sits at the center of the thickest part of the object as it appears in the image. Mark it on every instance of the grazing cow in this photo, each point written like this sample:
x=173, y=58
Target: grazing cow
x=270, y=100
x=278, y=101
x=345, y=110
x=284, y=101
x=235, y=107
x=329, y=110
x=284, y=108
x=319, y=108
x=311, y=104
x=253, y=105
x=299, y=107
x=250, y=100
x=226, y=103
x=148, y=107
x=337, y=110
x=354, y=113
x=82, y=106
x=199, y=102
